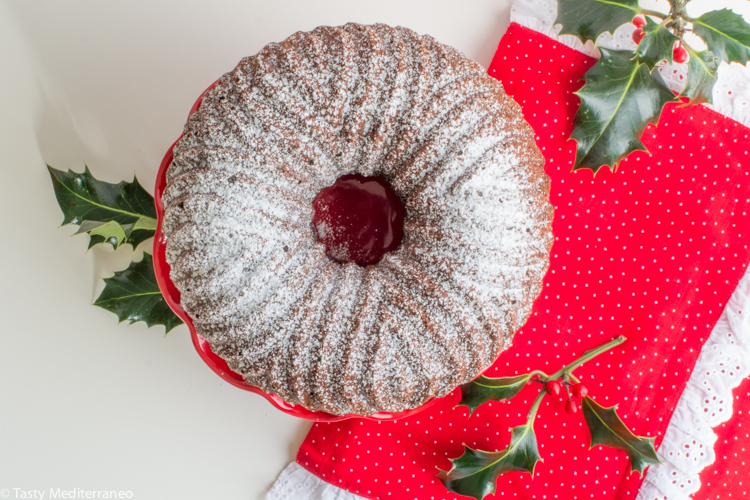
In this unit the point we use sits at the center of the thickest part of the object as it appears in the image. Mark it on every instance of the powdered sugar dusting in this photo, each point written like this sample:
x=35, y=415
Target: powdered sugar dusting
x=288, y=122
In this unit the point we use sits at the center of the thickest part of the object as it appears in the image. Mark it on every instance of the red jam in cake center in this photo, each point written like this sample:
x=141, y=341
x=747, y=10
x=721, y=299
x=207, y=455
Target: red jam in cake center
x=358, y=219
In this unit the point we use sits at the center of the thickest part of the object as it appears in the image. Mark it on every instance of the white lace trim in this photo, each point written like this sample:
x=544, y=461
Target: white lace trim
x=296, y=483
x=731, y=94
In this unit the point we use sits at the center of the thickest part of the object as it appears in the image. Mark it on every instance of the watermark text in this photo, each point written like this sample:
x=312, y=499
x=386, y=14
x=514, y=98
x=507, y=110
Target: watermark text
x=63, y=493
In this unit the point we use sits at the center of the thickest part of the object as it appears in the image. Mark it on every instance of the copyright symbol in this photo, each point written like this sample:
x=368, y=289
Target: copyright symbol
x=4, y=493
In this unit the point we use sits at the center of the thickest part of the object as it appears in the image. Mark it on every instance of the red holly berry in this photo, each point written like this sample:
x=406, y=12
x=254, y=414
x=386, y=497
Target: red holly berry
x=679, y=54
x=580, y=391
x=571, y=406
x=553, y=387
x=639, y=21
x=638, y=35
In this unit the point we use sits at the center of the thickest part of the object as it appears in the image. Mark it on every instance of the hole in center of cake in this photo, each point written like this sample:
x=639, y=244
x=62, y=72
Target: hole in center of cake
x=358, y=219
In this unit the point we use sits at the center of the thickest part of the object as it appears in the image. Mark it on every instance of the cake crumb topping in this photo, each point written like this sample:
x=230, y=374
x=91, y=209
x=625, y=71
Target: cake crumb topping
x=374, y=101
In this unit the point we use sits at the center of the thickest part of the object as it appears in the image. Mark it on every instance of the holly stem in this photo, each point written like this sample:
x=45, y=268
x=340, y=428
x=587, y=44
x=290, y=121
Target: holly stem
x=653, y=13
x=566, y=373
x=678, y=13
x=587, y=356
x=532, y=412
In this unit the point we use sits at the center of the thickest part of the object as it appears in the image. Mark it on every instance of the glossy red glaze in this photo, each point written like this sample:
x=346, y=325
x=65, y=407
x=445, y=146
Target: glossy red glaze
x=358, y=219
x=217, y=364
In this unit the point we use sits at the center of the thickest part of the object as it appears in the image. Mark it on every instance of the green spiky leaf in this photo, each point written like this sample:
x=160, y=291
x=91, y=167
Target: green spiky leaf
x=657, y=45
x=701, y=77
x=484, y=389
x=116, y=234
x=727, y=35
x=143, y=229
x=587, y=19
x=607, y=429
x=474, y=474
x=108, y=213
x=103, y=232
x=620, y=98
x=133, y=295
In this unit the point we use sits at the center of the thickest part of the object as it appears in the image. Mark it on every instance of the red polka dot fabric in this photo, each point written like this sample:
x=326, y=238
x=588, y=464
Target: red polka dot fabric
x=652, y=251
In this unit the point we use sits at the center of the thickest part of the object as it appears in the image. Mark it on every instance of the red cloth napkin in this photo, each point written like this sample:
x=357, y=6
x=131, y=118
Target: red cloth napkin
x=652, y=252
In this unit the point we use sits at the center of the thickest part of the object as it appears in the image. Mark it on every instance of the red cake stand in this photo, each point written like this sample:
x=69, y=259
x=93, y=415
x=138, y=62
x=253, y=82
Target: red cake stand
x=217, y=364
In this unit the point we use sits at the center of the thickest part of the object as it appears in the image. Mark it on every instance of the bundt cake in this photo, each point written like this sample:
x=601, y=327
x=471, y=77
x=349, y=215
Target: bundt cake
x=337, y=335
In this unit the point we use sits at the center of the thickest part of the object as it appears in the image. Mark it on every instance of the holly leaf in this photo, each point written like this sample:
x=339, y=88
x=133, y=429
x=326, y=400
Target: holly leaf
x=103, y=232
x=656, y=45
x=143, y=229
x=607, y=429
x=116, y=234
x=133, y=295
x=474, y=474
x=484, y=389
x=701, y=77
x=587, y=19
x=109, y=213
x=726, y=34
x=620, y=98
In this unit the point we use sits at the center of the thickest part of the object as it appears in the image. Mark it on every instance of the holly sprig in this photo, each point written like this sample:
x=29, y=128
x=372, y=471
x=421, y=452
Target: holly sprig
x=474, y=474
x=109, y=213
x=116, y=214
x=133, y=295
x=624, y=91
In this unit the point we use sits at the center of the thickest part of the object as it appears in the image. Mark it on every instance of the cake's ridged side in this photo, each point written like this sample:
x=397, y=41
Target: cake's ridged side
x=288, y=122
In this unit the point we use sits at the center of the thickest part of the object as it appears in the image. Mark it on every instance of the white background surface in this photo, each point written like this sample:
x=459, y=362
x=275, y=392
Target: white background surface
x=85, y=403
